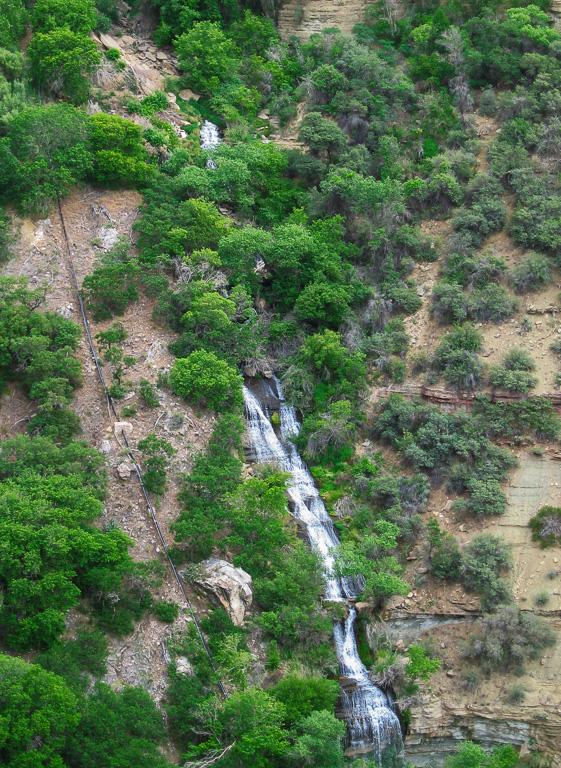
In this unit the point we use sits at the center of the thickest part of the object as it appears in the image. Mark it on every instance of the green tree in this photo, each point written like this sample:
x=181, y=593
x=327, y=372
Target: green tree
x=119, y=154
x=303, y=695
x=323, y=304
x=45, y=152
x=207, y=380
x=207, y=56
x=158, y=453
x=61, y=61
x=39, y=713
x=77, y=15
x=318, y=741
x=13, y=18
x=322, y=135
x=50, y=554
x=257, y=521
x=117, y=730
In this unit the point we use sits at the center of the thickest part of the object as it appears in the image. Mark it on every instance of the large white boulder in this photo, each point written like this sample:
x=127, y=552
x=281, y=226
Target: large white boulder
x=226, y=586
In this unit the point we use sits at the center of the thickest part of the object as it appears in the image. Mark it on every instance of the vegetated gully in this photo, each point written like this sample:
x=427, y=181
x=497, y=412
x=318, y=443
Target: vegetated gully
x=371, y=722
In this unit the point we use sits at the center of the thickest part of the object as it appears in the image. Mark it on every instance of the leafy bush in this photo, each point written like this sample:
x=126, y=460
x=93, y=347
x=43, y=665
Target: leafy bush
x=45, y=152
x=303, y=695
x=456, y=357
x=148, y=394
x=112, y=286
x=546, y=526
x=536, y=415
x=157, y=454
x=77, y=15
x=60, y=61
x=444, y=552
x=531, y=274
x=508, y=639
x=207, y=380
x=514, y=373
x=484, y=558
x=167, y=612
x=492, y=303
x=38, y=708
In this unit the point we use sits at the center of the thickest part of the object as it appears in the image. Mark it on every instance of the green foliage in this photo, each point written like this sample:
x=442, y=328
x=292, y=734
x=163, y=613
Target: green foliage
x=420, y=666
x=148, y=394
x=45, y=152
x=484, y=559
x=513, y=375
x=112, y=286
x=119, y=155
x=546, y=526
x=436, y=442
x=75, y=660
x=39, y=712
x=256, y=520
x=531, y=274
x=444, y=552
x=456, y=357
x=290, y=598
x=207, y=380
x=157, y=454
x=470, y=755
x=318, y=741
x=507, y=419
x=372, y=560
x=149, y=105
x=60, y=62
x=77, y=15
x=509, y=638
x=13, y=20
x=52, y=554
x=303, y=695
x=215, y=473
x=207, y=56
x=322, y=135
x=117, y=730
x=165, y=611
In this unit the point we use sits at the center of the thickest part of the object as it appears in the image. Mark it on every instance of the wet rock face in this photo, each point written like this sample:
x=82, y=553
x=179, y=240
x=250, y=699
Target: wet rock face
x=226, y=587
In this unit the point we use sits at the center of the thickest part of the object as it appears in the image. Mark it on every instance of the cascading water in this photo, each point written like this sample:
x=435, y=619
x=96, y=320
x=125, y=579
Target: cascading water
x=210, y=139
x=372, y=724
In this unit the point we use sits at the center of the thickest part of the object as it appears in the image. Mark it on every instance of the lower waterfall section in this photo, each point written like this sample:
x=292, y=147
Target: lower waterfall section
x=372, y=724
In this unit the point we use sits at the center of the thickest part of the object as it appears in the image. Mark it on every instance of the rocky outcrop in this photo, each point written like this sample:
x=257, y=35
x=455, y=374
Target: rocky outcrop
x=226, y=587
x=303, y=18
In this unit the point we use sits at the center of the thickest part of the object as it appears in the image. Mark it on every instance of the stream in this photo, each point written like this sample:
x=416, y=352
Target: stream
x=371, y=723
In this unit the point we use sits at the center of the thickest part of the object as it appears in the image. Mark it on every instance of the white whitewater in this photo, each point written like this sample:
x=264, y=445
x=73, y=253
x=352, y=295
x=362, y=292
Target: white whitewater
x=372, y=725
x=210, y=139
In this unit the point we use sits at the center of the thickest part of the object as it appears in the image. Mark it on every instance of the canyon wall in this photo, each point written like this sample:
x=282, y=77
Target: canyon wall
x=303, y=18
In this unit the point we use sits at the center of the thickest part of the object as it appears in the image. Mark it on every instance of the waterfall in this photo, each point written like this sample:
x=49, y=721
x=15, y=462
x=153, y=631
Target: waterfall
x=372, y=724
x=210, y=138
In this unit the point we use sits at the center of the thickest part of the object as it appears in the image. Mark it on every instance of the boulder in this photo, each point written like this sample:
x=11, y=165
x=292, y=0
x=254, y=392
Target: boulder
x=226, y=587
x=125, y=470
x=109, y=42
x=187, y=94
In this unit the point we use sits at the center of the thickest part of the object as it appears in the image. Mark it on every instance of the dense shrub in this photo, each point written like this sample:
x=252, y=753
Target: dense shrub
x=508, y=639
x=483, y=560
x=514, y=374
x=531, y=274
x=46, y=151
x=204, y=378
x=456, y=357
x=546, y=526
x=444, y=552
